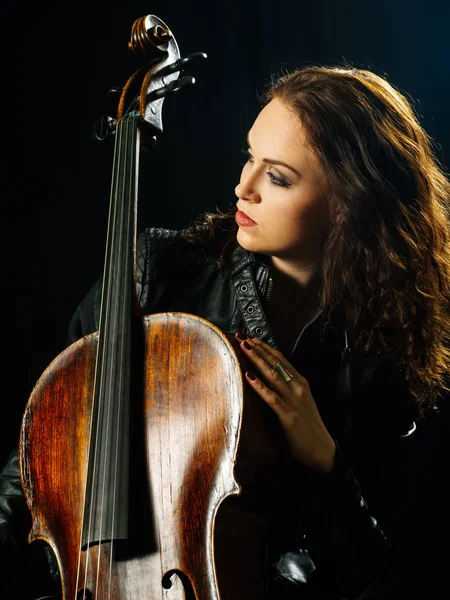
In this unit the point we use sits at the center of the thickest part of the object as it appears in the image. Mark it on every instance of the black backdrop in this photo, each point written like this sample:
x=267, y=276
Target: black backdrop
x=58, y=63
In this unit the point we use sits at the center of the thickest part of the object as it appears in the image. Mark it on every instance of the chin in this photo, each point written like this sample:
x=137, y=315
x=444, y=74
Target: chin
x=245, y=240
x=249, y=243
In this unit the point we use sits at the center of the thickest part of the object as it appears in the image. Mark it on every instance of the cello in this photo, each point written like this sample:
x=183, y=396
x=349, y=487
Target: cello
x=132, y=437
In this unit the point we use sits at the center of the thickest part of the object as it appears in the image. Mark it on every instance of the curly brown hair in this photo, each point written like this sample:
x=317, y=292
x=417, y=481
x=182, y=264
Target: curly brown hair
x=386, y=261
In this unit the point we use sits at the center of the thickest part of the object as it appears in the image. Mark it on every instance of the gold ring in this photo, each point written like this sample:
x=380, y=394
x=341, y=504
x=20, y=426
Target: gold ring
x=283, y=372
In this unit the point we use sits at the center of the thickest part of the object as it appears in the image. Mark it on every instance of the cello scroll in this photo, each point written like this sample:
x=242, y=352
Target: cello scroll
x=144, y=92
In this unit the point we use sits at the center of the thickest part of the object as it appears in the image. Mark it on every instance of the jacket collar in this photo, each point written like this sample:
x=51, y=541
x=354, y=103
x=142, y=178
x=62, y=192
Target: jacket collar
x=240, y=258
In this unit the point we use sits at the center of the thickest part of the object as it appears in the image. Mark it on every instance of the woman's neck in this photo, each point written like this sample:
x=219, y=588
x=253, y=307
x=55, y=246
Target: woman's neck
x=294, y=277
x=293, y=302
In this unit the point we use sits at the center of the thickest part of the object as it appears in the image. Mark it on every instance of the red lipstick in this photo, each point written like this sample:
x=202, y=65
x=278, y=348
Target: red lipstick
x=244, y=220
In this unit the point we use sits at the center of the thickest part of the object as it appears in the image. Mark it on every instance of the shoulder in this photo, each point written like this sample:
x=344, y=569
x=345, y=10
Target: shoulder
x=154, y=242
x=173, y=249
x=161, y=252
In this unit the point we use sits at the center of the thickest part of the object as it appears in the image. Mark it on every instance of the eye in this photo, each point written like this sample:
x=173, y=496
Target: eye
x=277, y=181
x=273, y=179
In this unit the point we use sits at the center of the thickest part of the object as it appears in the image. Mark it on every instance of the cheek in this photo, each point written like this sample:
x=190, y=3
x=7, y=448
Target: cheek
x=308, y=217
x=313, y=207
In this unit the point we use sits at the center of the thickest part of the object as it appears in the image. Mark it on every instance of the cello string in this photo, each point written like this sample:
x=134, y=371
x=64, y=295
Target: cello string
x=87, y=516
x=120, y=309
x=117, y=226
x=127, y=185
x=119, y=241
x=106, y=365
x=105, y=312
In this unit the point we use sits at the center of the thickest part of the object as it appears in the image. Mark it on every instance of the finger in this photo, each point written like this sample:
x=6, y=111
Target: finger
x=280, y=356
x=270, y=397
x=275, y=353
x=265, y=363
x=267, y=350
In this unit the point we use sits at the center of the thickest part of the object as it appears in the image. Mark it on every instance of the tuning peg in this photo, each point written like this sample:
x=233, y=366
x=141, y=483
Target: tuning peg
x=181, y=63
x=102, y=127
x=171, y=88
x=190, y=59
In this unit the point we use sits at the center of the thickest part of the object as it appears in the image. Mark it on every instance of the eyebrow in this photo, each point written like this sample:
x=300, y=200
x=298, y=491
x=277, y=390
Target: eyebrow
x=274, y=162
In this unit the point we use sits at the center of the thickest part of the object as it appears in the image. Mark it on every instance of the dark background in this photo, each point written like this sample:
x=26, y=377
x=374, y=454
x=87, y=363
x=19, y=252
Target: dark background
x=58, y=62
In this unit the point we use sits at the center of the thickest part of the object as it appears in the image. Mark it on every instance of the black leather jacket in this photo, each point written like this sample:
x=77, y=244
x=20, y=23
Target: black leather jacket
x=332, y=545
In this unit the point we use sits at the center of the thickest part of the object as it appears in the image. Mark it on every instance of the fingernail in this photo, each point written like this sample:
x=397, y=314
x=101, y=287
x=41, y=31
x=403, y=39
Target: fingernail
x=246, y=346
x=251, y=375
x=241, y=336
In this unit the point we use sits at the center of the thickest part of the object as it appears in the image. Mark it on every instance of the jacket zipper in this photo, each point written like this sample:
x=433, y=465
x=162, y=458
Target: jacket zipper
x=269, y=288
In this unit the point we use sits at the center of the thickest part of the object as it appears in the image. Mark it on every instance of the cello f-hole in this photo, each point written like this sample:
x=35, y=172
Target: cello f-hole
x=172, y=576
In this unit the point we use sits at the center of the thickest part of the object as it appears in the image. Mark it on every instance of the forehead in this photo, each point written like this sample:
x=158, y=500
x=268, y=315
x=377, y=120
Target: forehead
x=278, y=117
x=279, y=134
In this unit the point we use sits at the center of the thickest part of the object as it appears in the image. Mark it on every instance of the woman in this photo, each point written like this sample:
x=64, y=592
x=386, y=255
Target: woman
x=333, y=272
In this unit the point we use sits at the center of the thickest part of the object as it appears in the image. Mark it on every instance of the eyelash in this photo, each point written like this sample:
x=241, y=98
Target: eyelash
x=275, y=181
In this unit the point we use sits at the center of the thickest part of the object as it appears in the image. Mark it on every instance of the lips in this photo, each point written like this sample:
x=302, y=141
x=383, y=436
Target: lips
x=243, y=219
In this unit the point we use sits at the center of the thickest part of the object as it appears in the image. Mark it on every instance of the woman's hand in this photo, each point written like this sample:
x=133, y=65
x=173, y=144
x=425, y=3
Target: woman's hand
x=290, y=398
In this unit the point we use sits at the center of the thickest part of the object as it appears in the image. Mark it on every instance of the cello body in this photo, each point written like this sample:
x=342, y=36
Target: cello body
x=188, y=425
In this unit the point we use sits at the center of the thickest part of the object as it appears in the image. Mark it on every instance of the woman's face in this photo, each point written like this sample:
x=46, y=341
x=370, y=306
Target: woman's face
x=282, y=203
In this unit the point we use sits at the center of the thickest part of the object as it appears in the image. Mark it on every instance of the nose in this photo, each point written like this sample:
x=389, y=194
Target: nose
x=247, y=188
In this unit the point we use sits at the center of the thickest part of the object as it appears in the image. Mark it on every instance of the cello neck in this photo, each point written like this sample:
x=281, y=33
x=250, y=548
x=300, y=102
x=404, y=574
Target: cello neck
x=106, y=503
